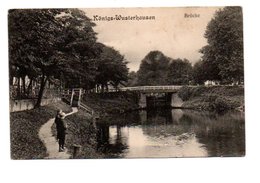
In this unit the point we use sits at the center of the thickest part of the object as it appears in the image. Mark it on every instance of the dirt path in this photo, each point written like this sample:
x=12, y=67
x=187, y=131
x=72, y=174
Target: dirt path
x=50, y=141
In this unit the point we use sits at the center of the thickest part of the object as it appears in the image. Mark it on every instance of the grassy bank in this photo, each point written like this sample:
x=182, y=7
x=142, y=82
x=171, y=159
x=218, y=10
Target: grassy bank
x=112, y=103
x=24, y=127
x=214, y=98
x=81, y=132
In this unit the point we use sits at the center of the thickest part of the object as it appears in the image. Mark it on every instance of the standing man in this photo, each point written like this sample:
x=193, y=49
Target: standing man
x=61, y=127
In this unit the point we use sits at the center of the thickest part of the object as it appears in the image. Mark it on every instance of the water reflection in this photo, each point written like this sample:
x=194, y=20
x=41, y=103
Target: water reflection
x=111, y=140
x=172, y=133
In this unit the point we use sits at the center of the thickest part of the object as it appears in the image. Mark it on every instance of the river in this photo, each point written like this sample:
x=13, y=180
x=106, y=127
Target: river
x=172, y=133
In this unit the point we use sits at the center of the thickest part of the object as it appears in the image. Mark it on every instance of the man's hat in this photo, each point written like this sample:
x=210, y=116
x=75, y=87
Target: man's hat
x=62, y=115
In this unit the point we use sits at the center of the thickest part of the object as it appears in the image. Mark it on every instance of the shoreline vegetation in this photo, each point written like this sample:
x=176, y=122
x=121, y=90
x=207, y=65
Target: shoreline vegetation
x=213, y=98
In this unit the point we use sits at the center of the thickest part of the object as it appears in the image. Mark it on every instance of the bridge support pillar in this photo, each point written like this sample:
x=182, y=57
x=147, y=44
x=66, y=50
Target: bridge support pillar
x=143, y=116
x=142, y=100
x=176, y=101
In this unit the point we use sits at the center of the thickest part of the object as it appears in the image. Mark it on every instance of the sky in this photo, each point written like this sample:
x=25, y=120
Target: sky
x=170, y=32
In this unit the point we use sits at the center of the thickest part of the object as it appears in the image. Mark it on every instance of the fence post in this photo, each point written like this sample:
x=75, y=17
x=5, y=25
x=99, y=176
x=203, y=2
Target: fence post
x=80, y=92
x=71, y=99
x=76, y=150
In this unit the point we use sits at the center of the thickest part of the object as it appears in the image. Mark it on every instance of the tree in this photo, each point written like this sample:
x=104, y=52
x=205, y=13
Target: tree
x=224, y=51
x=203, y=71
x=48, y=42
x=132, y=79
x=198, y=75
x=179, y=72
x=32, y=37
x=79, y=49
x=153, y=69
x=211, y=70
x=111, y=68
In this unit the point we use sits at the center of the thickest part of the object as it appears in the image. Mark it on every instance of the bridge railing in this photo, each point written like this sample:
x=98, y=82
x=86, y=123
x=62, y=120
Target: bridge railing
x=87, y=108
x=146, y=88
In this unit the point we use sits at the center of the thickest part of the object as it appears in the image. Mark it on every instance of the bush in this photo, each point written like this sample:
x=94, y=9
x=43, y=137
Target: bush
x=217, y=98
x=219, y=104
x=185, y=93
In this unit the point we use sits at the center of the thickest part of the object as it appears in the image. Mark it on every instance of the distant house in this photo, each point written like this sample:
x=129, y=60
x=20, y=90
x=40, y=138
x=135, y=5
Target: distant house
x=211, y=83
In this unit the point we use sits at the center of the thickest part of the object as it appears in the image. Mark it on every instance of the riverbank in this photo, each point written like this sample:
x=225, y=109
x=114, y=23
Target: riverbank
x=213, y=98
x=112, y=103
x=24, y=128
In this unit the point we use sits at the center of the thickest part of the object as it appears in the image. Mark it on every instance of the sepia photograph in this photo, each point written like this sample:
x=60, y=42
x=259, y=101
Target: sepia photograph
x=101, y=83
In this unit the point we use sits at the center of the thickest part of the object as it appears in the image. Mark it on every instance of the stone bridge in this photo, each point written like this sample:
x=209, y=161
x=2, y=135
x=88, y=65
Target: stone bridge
x=156, y=95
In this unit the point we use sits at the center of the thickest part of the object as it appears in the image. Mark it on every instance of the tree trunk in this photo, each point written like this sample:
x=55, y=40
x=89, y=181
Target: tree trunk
x=11, y=80
x=116, y=85
x=102, y=88
x=23, y=87
x=29, y=88
x=98, y=88
x=40, y=94
x=18, y=89
x=106, y=87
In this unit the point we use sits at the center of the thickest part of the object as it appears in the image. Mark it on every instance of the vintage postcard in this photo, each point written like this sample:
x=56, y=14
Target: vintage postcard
x=126, y=83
